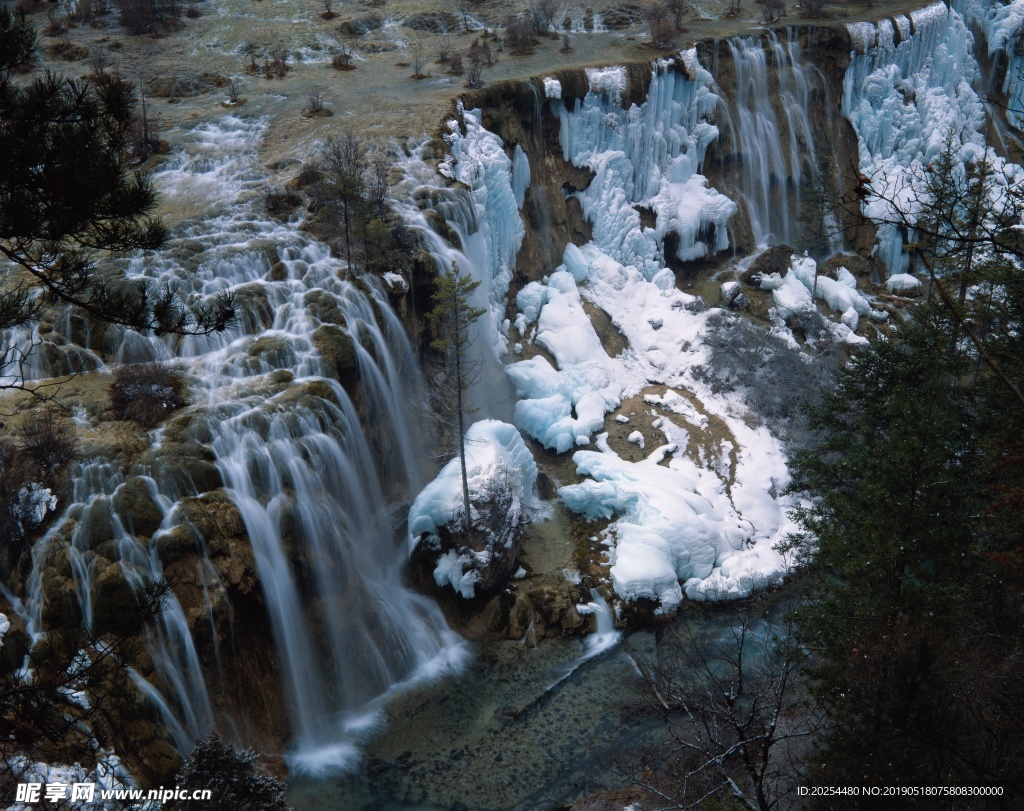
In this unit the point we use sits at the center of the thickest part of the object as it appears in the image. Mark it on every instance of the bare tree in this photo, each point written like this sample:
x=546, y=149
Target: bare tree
x=677, y=9
x=733, y=709
x=344, y=162
x=519, y=34
x=774, y=10
x=342, y=60
x=444, y=50
x=541, y=15
x=662, y=30
x=476, y=57
x=566, y=45
x=418, y=52
x=455, y=64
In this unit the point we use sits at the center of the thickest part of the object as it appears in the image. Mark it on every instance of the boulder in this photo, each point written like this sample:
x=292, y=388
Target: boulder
x=773, y=260
x=136, y=508
x=339, y=351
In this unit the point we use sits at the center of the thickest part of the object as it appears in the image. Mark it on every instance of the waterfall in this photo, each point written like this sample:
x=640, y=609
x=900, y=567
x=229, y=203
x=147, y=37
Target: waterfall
x=907, y=89
x=320, y=496
x=766, y=117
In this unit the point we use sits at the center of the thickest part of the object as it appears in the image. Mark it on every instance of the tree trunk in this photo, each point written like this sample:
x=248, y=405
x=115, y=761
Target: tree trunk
x=462, y=431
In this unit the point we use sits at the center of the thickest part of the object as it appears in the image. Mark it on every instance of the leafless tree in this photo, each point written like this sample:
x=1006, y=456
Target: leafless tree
x=677, y=9
x=774, y=10
x=444, y=50
x=418, y=53
x=541, y=15
x=734, y=712
x=662, y=30
x=342, y=60
x=519, y=34
x=476, y=57
x=233, y=91
x=566, y=45
x=455, y=64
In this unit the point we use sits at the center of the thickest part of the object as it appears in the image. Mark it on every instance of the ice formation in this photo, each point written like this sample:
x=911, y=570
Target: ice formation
x=648, y=156
x=904, y=96
x=1001, y=26
x=493, y=238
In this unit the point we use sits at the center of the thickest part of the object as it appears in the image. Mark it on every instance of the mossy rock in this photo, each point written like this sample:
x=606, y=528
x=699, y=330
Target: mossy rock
x=136, y=507
x=339, y=352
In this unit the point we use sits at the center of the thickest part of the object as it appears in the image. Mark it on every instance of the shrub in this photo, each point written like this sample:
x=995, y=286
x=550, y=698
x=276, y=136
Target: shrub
x=277, y=200
x=147, y=393
x=519, y=34
x=342, y=60
x=316, y=100
x=48, y=438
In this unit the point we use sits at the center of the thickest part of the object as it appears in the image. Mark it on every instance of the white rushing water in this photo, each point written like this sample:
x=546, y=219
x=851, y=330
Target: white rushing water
x=768, y=123
x=320, y=498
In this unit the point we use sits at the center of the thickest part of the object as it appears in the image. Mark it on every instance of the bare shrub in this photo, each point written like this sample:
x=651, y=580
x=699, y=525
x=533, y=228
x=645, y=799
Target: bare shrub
x=48, y=438
x=99, y=62
x=309, y=173
x=677, y=9
x=445, y=50
x=477, y=57
x=455, y=64
x=328, y=12
x=277, y=200
x=343, y=59
x=566, y=45
x=662, y=30
x=519, y=35
x=56, y=23
x=418, y=52
x=234, y=91
x=774, y=10
x=315, y=99
x=147, y=393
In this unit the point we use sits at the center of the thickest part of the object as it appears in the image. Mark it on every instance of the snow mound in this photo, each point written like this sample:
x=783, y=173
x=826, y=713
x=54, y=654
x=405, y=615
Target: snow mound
x=552, y=88
x=902, y=283
x=494, y=451
x=673, y=523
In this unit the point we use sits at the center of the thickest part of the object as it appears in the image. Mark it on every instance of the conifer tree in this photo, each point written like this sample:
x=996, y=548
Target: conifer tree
x=67, y=194
x=451, y=318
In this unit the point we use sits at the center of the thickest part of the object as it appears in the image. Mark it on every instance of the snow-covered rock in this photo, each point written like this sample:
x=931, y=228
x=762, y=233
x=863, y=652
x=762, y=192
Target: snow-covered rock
x=501, y=475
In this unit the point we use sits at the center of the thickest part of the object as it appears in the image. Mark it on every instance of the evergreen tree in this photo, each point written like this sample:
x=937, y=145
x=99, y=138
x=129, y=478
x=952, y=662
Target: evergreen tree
x=66, y=194
x=231, y=778
x=907, y=617
x=451, y=318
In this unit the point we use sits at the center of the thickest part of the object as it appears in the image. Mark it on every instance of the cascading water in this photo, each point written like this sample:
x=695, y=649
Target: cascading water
x=319, y=496
x=767, y=123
